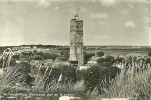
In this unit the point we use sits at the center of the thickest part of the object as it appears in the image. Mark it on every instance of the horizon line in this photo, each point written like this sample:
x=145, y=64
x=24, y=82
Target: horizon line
x=67, y=45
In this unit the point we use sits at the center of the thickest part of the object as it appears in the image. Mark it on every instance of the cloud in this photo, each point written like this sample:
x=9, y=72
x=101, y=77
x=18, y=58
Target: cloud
x=99, y=16
x=146, y=19
x=103, y=23
x=94, y=37
x=130, y=6
x=68, y=5
x=112, y=3
x=43, y=3
x=56, y=8
x=130, y=24
x=107, y=3
x=125, y=11
x=147, y=29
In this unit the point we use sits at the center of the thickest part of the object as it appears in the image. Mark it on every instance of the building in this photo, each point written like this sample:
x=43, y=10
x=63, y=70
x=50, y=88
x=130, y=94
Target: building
x=76, y=41
x=85, y=67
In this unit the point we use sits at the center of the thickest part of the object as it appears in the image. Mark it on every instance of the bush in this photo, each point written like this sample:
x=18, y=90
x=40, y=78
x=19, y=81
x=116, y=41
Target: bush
x=50, y=56
x=130, y=83
x=37, y=57
x=100, y=60
x=118, y=60
x=87, y=57
x=93, y=77
x=105, y=65
x=109, y=59
x=17, y=57
x=65, y=54
x=12, y=62
x=95, y=74
x=19, y=73
x=147, y=61
x=109, y=73
x=100, y=54
x=39, y=53
x=1, y=63
x=149, y=54
x=65, y=72
x=25, y=56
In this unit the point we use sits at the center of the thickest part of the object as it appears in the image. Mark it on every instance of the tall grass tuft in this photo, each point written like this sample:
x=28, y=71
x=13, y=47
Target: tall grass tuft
x=134, y=82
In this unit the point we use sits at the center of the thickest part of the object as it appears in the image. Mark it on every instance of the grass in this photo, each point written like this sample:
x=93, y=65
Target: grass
x=53, y=90
x=8, y=84
x=130, y=83
x=134, y=82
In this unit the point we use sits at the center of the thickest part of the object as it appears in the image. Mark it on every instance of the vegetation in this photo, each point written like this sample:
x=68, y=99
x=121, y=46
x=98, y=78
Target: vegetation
x=87, y=56
x=100, y=80
x=99, y=54
x=95, y=74
x=37, y=57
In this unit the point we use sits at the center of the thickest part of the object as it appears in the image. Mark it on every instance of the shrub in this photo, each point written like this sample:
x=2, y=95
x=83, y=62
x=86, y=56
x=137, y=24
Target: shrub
x=87, y=56
x=130, y=83
x=64, y=72
x=109, y=59
x=118, y=60
x=109, y=74
x=19, y=73
x=147, y=61
x=39, y=53
x=65, y=54
x=50, y=56
x=12, y=62
x=149, y=54
x=93, y=77
x=1, y=63
x=37, y=57
x=100, y=53
x=100, y=60
x=95, y=74
x=34, y=52
x=17, y=57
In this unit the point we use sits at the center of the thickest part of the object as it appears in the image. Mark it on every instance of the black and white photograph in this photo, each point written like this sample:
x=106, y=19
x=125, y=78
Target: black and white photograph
x=75, y=49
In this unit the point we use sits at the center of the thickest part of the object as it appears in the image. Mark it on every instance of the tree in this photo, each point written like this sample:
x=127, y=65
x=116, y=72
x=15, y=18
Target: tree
x=100, y=54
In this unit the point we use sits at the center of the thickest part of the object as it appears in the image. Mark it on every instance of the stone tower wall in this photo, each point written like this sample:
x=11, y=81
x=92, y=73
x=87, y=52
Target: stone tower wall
x=76, y=41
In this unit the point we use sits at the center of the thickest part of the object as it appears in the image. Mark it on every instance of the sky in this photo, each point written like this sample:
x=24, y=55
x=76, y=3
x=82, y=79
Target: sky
x=106, y=22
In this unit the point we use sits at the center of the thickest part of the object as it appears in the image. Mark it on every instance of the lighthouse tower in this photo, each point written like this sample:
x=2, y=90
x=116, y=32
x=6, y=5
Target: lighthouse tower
x=76, y=41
